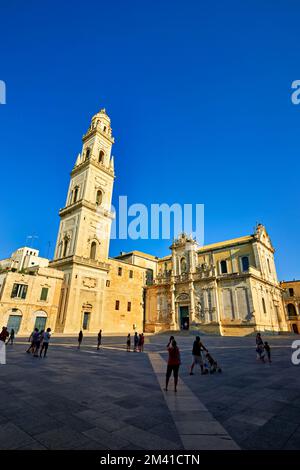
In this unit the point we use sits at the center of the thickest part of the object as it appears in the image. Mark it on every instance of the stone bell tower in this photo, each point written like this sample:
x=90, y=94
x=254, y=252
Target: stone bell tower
x=86, y=220
x=84, y=233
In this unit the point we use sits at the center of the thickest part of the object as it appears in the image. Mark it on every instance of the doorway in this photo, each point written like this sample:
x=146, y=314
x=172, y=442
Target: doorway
x=40, y=323
x=14, y=322
x=295, y=328
x=184, y=317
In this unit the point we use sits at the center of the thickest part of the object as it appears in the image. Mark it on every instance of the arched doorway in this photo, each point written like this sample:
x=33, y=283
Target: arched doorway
x=40, y=319
x=14, y=320
x=291, y=310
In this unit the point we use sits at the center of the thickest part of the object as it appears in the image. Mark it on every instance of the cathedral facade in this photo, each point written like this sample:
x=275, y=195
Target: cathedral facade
x=230, y=287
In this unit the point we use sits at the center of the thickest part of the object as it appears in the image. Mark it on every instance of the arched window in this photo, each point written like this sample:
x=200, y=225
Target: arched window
x=66, y=243
x=93, y=250
x=76, y=189
x=87, y=153
x=245, y=263
x=291, y=310
x=99, y=197
x=101, y=157
x=223, y=265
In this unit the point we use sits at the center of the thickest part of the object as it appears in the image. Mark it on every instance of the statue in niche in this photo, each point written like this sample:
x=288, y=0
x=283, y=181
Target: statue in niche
x=183, y=265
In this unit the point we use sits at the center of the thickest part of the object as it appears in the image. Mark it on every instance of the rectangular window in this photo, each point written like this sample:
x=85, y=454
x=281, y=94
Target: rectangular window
x=117, y=306
x=149, y=277
x=264, y=305
x=44, y=293
x=131, y=274
x=119, y=271
x=107, y=283
x=291, y=292
x=128, y=306
x=19, y=291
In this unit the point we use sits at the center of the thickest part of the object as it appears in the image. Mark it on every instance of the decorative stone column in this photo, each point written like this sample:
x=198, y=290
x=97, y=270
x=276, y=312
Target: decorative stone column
x=173, y=306
x=192, y=301
x=206, y=306
x=217, y=303
x=174, y=264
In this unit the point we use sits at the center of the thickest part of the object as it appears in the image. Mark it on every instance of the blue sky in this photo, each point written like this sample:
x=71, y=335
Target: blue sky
x=199, y=94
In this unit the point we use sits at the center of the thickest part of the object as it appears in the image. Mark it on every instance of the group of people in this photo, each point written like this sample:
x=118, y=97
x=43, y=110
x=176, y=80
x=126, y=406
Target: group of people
x=208, y=363
x=138, y=342
x=39, y=342
x=174, y=360
x=99, y=339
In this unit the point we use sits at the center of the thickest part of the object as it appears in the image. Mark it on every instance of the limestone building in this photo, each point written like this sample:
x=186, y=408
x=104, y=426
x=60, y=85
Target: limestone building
x=30, y=300
x=291, y=298
x=23, y=258
x=232, y=285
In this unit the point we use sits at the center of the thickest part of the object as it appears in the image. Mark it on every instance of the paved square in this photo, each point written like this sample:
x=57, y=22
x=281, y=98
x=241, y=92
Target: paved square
x=111, y=399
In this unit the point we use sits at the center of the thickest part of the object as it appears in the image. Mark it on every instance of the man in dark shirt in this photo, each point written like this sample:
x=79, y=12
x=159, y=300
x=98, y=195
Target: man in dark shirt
x=4, y=334
x=197, y=355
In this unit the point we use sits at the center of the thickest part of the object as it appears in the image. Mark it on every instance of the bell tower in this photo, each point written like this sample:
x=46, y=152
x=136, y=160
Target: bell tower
x=86, y=218
x=84, y=233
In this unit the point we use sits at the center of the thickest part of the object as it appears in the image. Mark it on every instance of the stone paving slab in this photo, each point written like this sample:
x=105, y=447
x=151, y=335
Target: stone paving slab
x=196, y=435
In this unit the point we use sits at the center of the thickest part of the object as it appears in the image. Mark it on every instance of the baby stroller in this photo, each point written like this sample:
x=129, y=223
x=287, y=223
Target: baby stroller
x=211, y=365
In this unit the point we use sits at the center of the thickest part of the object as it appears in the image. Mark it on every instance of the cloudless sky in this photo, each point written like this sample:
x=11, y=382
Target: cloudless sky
x=199, y=95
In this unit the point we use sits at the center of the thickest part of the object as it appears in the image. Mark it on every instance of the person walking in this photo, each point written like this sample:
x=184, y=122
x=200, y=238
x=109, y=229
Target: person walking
x=173, y=364
x=128, y=343
x=198, y=347
x=99, y=340
x=260, y=348
x=80, y=338
x=3, y=336
x=135, y=342
x=37, y=338
x=267, y=348
x=142, y=341
x=46, y=339
x=31, y=347
x=11, y=337
x=139, y=343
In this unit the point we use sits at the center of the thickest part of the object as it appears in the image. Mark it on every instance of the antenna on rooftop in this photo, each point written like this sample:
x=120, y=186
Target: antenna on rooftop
x=31, y=238
x=48, y=249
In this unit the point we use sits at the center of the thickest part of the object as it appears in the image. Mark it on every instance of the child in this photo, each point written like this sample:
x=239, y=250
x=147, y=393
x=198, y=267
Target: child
x=213, y=365
x=268, y=350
